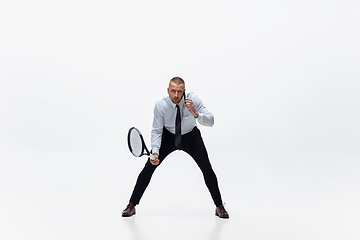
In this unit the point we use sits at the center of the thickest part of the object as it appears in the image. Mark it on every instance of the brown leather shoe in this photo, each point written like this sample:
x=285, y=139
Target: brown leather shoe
x=221, y=212
x=129, y=210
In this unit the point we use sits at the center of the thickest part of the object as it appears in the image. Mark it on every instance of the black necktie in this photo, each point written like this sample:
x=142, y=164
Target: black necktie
x=178, y=128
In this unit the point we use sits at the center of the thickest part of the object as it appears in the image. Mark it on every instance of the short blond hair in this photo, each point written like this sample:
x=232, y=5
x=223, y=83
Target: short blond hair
x=177, y=81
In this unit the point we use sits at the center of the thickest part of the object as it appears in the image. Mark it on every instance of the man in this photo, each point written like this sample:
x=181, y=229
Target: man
x=174, y=128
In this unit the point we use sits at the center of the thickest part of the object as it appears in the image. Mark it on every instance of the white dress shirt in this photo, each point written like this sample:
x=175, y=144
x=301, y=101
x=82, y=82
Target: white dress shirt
x=165, y=114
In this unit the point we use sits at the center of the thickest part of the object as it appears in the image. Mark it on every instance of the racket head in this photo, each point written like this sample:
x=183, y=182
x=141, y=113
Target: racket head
x=136, y=142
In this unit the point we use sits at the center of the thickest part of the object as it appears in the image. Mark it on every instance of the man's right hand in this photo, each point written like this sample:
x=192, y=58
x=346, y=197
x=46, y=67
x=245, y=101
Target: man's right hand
x=156, y=161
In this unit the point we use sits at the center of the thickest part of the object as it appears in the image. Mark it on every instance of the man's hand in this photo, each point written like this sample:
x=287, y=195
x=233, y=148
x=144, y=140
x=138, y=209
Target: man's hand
x=191, y=107
x=156, y=161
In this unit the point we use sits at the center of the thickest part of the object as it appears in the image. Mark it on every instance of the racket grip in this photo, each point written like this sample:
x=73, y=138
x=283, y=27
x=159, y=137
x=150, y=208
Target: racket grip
x=152, y=157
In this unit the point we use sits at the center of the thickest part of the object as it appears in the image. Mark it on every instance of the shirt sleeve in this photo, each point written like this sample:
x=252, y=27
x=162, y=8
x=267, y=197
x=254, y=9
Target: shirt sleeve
x=157, y=128
x=205, y=117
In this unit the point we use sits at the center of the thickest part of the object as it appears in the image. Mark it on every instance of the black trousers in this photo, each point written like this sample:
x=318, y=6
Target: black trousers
x=192, y=143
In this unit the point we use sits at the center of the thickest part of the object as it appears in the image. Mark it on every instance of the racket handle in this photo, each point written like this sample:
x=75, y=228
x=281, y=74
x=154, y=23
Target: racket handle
x=152, y=157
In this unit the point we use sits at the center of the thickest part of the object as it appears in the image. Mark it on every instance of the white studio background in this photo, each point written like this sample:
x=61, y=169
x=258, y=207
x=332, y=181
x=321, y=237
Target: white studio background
x=281, y=78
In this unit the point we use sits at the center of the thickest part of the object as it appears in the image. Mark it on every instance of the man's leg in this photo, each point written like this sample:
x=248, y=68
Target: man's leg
x=194, y=146
x=167, y=146
x=139, y=189
x=143, y=180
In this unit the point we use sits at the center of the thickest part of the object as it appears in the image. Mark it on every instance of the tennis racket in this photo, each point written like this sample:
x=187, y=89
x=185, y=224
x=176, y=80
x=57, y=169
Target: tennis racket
x=137, y=144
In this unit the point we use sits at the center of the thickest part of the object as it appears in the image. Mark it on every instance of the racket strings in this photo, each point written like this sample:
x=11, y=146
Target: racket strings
x=136, y=143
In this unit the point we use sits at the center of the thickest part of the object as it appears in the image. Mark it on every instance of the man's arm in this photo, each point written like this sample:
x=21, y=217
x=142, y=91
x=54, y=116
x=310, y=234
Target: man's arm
x=199, y=111
x=156, y=133
x=157, y=129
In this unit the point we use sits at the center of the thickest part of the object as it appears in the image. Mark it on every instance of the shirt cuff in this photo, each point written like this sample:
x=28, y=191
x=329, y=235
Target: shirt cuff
x=155, y=150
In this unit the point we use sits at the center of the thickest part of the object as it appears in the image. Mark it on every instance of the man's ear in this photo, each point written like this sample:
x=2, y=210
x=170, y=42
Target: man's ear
x=168, y=90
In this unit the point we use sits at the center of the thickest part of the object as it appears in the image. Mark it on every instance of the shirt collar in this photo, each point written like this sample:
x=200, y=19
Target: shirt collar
x=181, y=103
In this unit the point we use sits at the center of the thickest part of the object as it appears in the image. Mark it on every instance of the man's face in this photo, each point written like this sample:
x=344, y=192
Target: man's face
x=176, y=92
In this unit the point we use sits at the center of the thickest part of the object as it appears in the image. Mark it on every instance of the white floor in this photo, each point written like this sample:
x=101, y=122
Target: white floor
x=73, y=217
x=58, y=200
